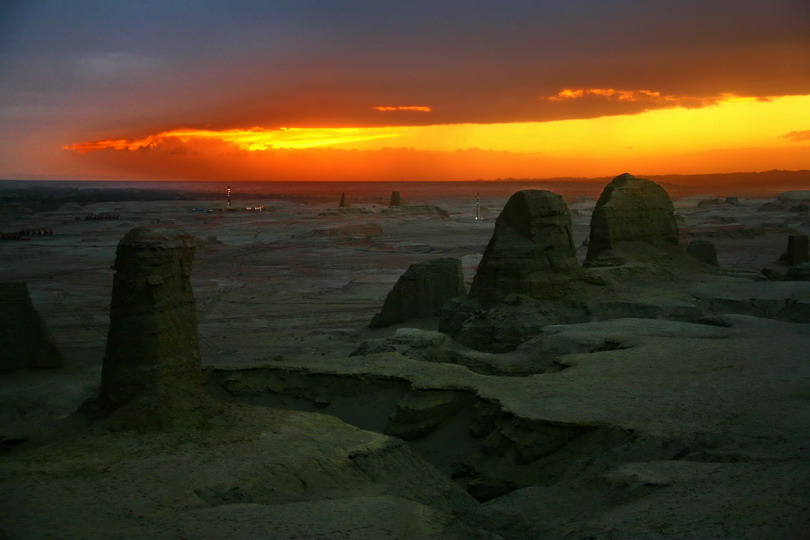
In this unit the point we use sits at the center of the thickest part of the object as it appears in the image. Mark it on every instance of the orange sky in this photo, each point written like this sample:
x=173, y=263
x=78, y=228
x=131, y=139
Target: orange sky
x=721, y=135
x=402, y=91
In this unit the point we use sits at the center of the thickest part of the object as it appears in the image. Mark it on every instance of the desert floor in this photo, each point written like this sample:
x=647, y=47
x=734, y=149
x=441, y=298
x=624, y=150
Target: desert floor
x=715, y=443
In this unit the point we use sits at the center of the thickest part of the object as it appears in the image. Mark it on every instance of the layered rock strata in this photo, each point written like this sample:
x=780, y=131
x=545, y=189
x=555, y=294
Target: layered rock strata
x=421, y=291
x=25, y=340
x=152, y=343
x=633, y=220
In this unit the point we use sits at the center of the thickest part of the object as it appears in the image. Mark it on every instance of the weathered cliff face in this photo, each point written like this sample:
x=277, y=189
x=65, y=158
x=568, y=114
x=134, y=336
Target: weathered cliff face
x=633, y=219
x=152, y=341
x=532, y=234
x=421, y=291
x=25, y=341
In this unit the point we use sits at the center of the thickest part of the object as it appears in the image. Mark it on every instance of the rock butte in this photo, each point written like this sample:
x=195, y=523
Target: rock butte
x=532, y=235
x=633, y=219
x=152, y=345
x=529, y=276
x=797, y=249
x=421, y=291
x=25, y=340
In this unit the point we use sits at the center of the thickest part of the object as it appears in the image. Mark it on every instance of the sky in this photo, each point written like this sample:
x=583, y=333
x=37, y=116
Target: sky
x=401, y=90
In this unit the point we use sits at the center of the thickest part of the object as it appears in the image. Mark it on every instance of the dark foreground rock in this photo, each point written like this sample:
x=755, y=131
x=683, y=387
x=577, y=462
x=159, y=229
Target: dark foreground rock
x=25, y=340
x=645, y=425
x=250, y=472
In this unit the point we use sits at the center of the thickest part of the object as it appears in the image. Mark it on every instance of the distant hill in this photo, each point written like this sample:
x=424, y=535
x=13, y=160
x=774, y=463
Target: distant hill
x=44, y=194
x=753, y=184
x=740, y=183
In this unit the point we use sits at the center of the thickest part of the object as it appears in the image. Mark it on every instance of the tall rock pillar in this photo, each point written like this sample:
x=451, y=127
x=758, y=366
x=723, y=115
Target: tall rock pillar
x=152, y=340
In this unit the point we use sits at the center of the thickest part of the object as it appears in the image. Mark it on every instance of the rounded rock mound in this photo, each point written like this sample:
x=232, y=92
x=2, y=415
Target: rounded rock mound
x=633, y=220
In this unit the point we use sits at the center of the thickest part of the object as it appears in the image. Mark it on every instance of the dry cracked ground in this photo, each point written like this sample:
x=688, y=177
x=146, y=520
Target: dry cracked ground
x=630, y=426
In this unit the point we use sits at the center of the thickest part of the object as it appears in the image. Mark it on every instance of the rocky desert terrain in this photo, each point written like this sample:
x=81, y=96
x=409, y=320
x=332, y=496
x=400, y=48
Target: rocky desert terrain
x=603, y=378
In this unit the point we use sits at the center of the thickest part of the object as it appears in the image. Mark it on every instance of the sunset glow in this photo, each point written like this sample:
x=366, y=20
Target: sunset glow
x=304, y=91
x=417, y=108
x=252, y=139
x=664, y=139
x=621, y=95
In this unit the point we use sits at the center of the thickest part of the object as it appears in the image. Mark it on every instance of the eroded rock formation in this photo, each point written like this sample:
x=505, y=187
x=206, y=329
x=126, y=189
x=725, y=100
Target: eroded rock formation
x=797, y=250
x=529, y=277
x=532, y=234
x=633, y=219
x=421, y=291
x=343, y=203
x=396, y=199
x=25, y=340
x=703, y=250
x=152, y=341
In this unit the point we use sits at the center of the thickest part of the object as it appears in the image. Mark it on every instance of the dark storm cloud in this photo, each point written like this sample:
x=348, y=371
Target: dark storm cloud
x=141, y=66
